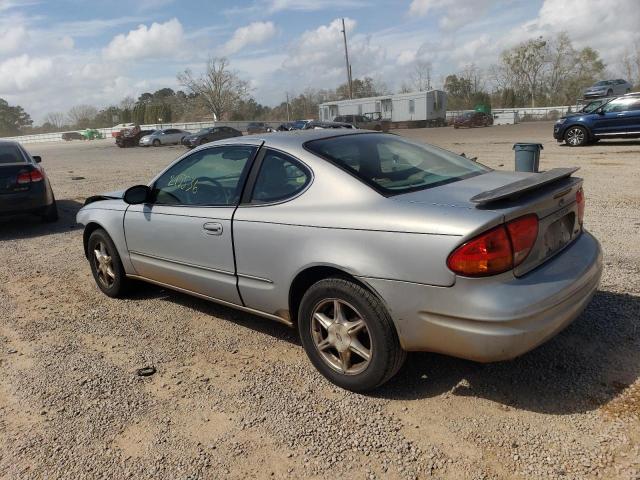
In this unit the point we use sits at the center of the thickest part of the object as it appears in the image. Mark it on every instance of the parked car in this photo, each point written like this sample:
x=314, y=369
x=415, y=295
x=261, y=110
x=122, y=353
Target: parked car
x=165, y=136
x=257, y=127
x=67, y=136
x=473, y=119
x=92, y=134
x=319, y=125
x=370, y=244
x=618, y=118
x=365, y=122
x=607, y=88
x=130, y=137
x=24, y=186
x=211, y=134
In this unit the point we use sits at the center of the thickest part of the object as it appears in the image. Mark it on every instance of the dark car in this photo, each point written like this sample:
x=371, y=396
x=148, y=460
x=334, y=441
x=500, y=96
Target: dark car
x=67, y=136
x=367, y=122
x=473, y=119
x=24, y=186
x=257, y=127
x=317, y=124
x=618, y=118
x=210, y=134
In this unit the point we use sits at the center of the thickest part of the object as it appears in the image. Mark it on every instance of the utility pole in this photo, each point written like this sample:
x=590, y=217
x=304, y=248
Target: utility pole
x=346, y=56
x=288, y=107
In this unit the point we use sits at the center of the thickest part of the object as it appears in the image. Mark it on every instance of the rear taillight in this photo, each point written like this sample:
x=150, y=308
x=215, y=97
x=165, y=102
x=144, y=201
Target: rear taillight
x=580, y=202
x=496, y=251
x=28, y=177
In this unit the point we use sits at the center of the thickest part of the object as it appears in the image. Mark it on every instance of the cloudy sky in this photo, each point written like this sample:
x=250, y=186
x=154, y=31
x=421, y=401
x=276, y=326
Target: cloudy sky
x=56, y=54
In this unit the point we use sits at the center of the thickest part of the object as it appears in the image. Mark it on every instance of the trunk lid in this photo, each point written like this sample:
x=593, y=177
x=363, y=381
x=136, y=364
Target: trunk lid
x=554, y=203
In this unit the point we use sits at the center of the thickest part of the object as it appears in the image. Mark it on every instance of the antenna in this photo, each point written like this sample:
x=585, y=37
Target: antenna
x=346, y=56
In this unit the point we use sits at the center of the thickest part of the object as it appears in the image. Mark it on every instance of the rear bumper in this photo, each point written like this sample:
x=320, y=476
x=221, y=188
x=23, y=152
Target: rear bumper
x=24, y=202
x=500, y=318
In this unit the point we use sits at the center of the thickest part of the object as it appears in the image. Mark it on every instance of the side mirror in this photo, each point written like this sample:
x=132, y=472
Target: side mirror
x=36, y=158
x=137, y=194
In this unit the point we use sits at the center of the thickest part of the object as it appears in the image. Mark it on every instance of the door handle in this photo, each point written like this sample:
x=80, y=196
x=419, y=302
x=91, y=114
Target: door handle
x=212, y=228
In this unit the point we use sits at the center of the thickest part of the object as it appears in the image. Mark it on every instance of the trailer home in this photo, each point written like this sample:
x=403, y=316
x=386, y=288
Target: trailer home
x=415, y=108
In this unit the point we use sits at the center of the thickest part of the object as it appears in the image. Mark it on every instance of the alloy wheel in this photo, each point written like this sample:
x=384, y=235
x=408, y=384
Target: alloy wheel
x=104, y=265
x=575, y=136
x=341, y=336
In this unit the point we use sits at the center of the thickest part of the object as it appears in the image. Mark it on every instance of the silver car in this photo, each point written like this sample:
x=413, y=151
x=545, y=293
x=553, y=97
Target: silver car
x=608, y=88
x=368, y=243
x=165, y=136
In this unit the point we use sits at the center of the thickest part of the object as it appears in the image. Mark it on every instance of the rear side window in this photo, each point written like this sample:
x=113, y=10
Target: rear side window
x=280, y=177
x=392, y=165
x=10, y=154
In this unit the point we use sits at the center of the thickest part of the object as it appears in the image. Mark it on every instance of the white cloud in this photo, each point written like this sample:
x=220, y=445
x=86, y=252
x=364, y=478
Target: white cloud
x=18, y=74
x=252, y=34
x=12, y=38
x=312, y=5
x=160, y=40
x=453, y=13
x=406, y=57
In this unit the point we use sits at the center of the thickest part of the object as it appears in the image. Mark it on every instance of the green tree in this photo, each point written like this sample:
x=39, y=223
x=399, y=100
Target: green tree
x=13, y=119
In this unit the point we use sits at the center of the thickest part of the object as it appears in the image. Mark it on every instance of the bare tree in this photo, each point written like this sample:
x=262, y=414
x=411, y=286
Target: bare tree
x=421, y=76
x=220, y=88
x=405, y=88
x=56, y=119
x=81, y=115
x=127, y=103
x=526, y=63
x=630, y=64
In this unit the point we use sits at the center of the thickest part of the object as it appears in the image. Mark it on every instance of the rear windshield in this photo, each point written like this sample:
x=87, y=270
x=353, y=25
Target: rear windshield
x=10, y=154
x=393, y=165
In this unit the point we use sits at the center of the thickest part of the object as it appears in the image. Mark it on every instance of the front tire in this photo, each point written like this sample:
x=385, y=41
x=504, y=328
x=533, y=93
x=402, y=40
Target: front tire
x=106, y=265
x=156, y=143
x=348, y=335
x=576, y=136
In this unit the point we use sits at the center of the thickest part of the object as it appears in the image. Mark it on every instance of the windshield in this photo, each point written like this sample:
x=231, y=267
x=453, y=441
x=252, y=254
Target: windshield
x=392, y=165
x=299, y=124
x=202, y=131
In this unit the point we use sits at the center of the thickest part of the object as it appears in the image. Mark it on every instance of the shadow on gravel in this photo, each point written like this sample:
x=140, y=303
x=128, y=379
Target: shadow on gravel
x=219, y=312
x=581, y=369
x=28, y=226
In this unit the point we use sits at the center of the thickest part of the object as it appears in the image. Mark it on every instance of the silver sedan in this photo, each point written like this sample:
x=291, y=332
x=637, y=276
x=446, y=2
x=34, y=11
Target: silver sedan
x=369, y=244
x=165, y=136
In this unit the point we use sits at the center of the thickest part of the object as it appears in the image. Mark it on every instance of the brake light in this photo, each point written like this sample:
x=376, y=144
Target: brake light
x=581, y=203
x=496, y=251
x=28, y=177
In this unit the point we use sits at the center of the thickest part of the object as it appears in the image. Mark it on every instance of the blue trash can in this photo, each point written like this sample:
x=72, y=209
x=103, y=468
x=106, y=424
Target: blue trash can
x=527, y=156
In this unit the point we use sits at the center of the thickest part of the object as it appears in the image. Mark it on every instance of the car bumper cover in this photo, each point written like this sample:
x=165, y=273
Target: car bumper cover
x=496, y=318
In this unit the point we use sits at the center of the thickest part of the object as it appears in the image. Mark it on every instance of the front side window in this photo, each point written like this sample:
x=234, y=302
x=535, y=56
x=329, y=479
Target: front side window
x=622, y=104
x=280, y=177
x=214, y=176
x=392, y=165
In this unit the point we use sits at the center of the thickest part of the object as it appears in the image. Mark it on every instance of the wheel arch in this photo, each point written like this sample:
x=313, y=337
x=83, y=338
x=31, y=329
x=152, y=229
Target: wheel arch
x=312, y=274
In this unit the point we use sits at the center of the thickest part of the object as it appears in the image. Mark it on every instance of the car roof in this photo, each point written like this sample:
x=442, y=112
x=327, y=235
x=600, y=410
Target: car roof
x=294, y=138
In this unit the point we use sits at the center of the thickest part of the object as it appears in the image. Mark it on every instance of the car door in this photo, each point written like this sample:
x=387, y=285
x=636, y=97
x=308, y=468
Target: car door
x=616, y=117
x=264, y=273
x=183, y=236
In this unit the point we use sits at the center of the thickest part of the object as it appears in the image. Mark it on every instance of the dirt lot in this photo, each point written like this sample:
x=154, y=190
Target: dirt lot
x=235, y=397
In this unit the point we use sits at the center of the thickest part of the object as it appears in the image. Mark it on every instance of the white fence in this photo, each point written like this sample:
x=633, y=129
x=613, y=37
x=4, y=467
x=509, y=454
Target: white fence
x=107, y=132
x=524, y=114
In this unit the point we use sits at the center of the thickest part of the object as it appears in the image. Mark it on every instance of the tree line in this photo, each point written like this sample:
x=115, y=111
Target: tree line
x=537, y=72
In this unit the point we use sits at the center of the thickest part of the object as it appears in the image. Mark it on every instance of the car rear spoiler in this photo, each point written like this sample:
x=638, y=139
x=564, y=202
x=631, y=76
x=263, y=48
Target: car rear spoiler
x=521, y=187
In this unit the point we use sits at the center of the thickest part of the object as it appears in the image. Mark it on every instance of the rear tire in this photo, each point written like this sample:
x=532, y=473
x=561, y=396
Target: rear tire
x=106, y=265
x=576, y=136
x=50, y=213
x=338, y=343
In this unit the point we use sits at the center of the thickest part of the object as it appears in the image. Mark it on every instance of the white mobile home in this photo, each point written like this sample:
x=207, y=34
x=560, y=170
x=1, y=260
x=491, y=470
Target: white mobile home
x=421, y=107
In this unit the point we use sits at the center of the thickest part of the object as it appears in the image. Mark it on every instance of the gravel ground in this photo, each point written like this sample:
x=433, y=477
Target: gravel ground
x=234, y=396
